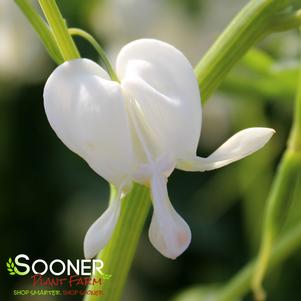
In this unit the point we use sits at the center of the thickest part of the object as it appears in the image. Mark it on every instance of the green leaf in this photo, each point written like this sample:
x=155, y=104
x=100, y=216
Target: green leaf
x=7, y=264
x=12, y=265
x=42, y=30
x=12, y=273
x=57, y=32
x=9, y=260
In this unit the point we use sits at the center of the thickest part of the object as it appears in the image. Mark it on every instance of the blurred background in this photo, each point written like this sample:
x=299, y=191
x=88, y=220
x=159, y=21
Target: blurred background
x=49, y=197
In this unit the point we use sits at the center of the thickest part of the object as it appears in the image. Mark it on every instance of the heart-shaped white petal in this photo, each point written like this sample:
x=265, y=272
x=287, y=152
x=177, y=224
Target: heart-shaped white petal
x=138, y=129
x=163, y=84
x=240, y=145
x=168, y=232
x=102, y=229
x=87, y=111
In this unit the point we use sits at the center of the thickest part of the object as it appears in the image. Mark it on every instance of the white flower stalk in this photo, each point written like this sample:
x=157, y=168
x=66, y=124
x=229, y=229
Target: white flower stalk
x=138, y=130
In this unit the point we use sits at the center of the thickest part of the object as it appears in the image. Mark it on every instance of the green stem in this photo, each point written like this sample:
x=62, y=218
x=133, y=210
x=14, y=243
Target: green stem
x=247, y=28
x=94, y=43
x=59, y=29
x=286, y=177
x=295, y=138
x=239, y=285
x=118, y=254
x=42, y=29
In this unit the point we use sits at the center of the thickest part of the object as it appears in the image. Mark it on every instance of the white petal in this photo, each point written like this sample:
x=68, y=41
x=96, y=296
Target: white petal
x=242, y=144
x=163, y=84
x=86, y=110
x=168, y=232
x=102, y=229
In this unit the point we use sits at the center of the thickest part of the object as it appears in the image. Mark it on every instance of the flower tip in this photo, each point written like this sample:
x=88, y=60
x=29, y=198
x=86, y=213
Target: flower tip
x=266, y=133
x=174, y=243
x=174, y=254
x=184, y=240
x=255, y=138
x=270, y=130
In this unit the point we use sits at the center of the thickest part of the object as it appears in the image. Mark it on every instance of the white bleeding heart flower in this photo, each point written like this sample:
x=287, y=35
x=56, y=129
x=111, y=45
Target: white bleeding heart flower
x=138, y=130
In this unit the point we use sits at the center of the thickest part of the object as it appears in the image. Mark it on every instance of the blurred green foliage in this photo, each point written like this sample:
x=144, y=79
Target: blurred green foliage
x=49, y=196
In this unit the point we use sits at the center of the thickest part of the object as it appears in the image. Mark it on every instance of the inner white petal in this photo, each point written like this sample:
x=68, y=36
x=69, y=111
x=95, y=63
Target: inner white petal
x=168, y=232
x=100, y=232
x=145, y=145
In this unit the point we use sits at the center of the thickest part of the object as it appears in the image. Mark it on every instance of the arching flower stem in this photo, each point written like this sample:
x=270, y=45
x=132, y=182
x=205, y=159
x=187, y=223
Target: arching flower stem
x=81, y=33
x=286, y=177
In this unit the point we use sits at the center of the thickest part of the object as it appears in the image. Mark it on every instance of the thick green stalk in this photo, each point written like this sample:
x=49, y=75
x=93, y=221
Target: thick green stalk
x=118, y=254
x=42, y=30
x=59, y=29
x=247, y=28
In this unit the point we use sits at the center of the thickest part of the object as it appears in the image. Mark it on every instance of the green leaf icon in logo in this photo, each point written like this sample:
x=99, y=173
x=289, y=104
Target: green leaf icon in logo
x=12, y=269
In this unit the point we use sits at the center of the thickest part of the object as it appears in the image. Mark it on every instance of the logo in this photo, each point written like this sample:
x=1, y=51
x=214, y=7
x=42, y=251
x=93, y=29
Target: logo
x=67, y=275
x=57, y=267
